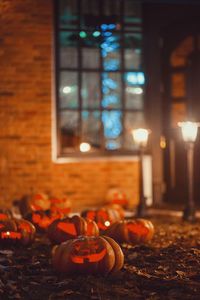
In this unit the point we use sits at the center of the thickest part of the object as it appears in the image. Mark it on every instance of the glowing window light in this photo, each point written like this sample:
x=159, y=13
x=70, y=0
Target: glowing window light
x=135, y=78
x=140, y=136
x=82, y=34
x=85, y=147
x=134, y=90
x=112, y=124
x=104, y=26
x=67, y=89
x=96, y=33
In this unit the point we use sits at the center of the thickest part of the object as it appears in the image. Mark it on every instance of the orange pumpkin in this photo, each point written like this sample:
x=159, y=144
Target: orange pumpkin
x=60, y=206
x=69, y=228
x=131, y=231
x=5, y=214
x=88, y=255
x=42, y=219
x=13, y=230
x=117, y=196
x=35, y=202
x=104, y=217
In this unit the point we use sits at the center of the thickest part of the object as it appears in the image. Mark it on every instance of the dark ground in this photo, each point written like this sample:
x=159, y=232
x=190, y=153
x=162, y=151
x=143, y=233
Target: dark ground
x=166, y=268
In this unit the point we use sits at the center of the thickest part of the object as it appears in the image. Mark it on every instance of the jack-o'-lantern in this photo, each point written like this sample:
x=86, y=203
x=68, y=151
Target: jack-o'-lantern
x=88, y=255
x=5, y=214
x=104, y=217
x=42, y=219
x=117, y=196
x=131, y=231
x=69, y=228
x=35, y=202
x=13, y=230
x=61, y=206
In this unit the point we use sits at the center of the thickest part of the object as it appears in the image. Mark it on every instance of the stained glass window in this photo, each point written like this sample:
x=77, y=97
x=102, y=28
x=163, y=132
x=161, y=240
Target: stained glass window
x=99, y=75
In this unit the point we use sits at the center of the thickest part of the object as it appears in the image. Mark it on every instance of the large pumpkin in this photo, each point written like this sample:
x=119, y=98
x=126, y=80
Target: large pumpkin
x=69, y=228
x=131, y=231
x=88, y=255
x=13, y=230
x=5, y=214
x=104, y=217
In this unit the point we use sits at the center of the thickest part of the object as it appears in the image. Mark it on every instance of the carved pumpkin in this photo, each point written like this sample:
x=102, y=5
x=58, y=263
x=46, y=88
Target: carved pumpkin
x=69, y=228
x=88, y=255
x=104, y=217
x=5, y=214
x=131, y=231
x=42, y=219
x=61, y=206
x=117, y=196
x=36, y=202
x=12, y=230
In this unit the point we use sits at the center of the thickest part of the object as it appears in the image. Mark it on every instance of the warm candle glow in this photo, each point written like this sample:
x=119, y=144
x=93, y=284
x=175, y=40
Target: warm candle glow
x=85, y=147
x=189, y=130
x=140, y=136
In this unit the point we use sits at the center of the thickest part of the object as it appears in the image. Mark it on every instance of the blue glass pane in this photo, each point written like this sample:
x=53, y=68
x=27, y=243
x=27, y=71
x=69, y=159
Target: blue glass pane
x=90, y=90
x=111, y=90
x=91, y=124
x=112, y=126
x=68, y=14
x=70, y=136
x=110, y=50
x=68, y=90
x=134, y=78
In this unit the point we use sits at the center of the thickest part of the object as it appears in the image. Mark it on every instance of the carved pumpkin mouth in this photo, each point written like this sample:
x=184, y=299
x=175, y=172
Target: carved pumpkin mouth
x=67, y=228
x=137, y=229
x=11, y=235
x=25, y=227
x=86, y=256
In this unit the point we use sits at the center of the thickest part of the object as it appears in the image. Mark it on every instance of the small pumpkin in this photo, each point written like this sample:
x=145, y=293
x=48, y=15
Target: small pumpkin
x=5, y=214
x=35, y=202
x=62, y=230
x=13, y=230
x=104, y=217
x=117, y=196
x=88, y=255
x=131, y=231
x=42, y=219
x=61, y=206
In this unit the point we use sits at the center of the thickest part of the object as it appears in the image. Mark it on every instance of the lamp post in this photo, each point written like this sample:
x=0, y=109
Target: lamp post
x=140, y=136
x=189, y=134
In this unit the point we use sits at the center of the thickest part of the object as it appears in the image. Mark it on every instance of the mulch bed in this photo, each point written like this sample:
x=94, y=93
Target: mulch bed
x=166, y=268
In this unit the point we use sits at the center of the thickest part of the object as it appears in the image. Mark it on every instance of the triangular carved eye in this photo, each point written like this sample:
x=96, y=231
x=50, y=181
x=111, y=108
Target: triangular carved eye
x=67, y=228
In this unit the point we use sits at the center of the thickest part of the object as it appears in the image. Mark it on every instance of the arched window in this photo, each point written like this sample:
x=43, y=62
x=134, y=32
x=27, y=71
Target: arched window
x=99, y=76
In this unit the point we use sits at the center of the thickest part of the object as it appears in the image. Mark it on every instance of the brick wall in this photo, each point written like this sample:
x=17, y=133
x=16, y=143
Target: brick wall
x=26, y=35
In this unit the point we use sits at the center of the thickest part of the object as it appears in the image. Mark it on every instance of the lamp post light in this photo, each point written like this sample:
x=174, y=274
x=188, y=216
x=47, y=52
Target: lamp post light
x=140, y=136
x=189, y=133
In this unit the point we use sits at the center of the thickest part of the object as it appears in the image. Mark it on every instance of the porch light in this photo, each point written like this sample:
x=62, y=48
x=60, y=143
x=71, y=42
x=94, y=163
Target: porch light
x=189, y=133
x=140, y=137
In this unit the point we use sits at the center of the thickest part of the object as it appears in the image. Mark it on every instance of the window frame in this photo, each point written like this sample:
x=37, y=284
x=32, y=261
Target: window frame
x=102, y=152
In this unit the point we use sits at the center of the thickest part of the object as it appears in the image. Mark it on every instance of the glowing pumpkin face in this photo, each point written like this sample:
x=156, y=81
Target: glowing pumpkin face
x=42, y=219
x=117, y=196
x=68, y=228
x=132, y=231
x=92, y=251
x=61, y=206
x=13, y=230
x=103, y=217
x=88, y=255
